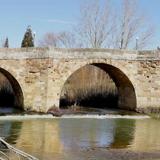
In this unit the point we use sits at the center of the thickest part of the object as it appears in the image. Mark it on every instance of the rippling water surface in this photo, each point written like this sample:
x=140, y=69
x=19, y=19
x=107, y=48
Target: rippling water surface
x=70, y=138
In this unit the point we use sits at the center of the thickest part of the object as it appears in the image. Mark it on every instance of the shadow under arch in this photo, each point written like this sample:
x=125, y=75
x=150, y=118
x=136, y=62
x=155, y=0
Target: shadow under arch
x=17, y=91
x=126, y=92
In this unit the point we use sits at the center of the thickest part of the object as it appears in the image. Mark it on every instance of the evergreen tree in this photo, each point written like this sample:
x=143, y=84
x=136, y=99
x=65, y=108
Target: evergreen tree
x=28, y=40
x=6, y=43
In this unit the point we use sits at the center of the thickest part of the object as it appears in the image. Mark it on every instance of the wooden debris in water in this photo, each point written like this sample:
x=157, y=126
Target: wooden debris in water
x=17, y=153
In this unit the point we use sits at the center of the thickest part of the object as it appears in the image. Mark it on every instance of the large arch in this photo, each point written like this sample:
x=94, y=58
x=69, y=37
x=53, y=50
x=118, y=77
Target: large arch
x=17, y=91
x=125, y=88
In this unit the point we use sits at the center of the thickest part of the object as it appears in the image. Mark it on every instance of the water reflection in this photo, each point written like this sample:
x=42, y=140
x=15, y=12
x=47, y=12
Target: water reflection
x=123, y=133
x=146, y=135
x=63, y=138
x=40, y=137
x=10, y=131
x=88, y=133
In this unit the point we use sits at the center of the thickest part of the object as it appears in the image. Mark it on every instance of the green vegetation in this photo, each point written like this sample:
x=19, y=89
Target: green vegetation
x=6, y=43
x=28, y=40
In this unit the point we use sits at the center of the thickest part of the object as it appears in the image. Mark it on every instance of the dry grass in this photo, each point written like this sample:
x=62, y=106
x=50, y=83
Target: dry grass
x=89, y=82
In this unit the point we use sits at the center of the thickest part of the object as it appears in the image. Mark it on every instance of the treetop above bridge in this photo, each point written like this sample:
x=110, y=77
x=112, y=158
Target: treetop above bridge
x=61, y=53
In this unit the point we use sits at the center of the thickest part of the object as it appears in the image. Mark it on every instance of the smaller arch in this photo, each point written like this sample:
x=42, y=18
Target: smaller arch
x=17, y=91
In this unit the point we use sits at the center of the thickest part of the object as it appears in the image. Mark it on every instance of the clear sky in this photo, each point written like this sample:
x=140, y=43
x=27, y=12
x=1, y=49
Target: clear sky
x=55, y=15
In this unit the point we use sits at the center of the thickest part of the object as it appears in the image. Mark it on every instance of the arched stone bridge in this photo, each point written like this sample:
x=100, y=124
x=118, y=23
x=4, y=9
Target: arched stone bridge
x=37, y=75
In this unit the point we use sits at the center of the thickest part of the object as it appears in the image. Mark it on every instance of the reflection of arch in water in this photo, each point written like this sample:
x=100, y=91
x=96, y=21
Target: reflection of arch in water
x=88, y=133
x=126, y=93
x=15, y=89
x=10, y=130
x=123, y=133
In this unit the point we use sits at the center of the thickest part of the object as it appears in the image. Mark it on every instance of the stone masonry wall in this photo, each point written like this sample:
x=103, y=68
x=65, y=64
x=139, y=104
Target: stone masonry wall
x=41, y=73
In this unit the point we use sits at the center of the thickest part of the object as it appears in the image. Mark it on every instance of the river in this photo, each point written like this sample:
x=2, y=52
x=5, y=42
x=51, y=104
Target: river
x=84, y=138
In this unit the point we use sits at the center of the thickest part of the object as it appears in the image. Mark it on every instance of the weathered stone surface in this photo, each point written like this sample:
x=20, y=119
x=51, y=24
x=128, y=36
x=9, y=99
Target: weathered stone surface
x=38, y=75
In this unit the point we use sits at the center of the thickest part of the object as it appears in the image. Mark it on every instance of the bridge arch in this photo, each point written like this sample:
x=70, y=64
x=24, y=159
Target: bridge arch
x=126, y=92
x=18, y=101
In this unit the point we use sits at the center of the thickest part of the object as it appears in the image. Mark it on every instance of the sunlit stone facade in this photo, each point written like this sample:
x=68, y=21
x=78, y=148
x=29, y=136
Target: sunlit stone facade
x=37, y=75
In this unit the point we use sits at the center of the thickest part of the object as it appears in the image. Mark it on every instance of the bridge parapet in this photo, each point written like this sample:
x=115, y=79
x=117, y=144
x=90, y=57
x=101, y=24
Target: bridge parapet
x=59, y=53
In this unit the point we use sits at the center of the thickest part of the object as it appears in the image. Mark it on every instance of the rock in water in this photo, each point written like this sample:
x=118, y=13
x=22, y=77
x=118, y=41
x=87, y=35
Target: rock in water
x=55, y=112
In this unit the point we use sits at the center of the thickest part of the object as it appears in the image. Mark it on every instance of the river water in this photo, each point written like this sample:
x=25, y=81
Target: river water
x=76, y=138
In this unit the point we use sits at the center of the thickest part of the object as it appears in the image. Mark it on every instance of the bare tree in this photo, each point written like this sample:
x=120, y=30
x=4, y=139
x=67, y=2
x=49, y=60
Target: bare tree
x=61, y=39
x=145, y=37
x=68, y=40
x=49, y=39
x=131, y=26
x=94, y=24
x=105, y=27
x=101, y=26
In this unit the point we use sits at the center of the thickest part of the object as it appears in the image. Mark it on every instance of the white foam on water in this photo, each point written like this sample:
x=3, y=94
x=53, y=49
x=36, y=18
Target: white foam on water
x=25, y=117
x=108, y=116
x=29, y=117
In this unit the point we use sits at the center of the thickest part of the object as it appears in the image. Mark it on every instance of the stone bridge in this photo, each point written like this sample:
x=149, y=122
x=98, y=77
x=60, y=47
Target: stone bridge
x=37, y=75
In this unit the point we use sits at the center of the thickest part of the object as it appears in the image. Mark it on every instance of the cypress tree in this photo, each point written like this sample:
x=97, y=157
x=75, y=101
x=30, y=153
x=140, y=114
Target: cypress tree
x=28, y=40
x=6, y=43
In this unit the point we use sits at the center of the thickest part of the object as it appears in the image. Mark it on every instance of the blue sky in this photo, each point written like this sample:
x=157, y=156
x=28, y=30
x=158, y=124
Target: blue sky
x=55, y=15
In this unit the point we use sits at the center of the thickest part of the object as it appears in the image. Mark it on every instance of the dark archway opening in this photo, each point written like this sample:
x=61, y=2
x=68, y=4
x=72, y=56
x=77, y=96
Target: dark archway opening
x=98, y=86
x=11, y=96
